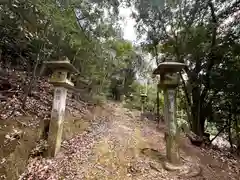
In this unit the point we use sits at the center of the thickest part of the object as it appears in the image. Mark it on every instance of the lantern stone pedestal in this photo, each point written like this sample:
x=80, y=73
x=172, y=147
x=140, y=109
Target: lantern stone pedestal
x=122, y=98
x=169, y=80
x=59, y=79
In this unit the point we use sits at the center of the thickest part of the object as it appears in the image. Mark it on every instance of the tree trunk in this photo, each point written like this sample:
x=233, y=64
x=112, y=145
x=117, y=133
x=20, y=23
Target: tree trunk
x=158, y=105
x=198, y=116
x=237, y=123
x=197, y=121
x=188, y=103
x=31, y=83
x=218, y=133
x=229, y=131
x=202, y=122
x=198, y=95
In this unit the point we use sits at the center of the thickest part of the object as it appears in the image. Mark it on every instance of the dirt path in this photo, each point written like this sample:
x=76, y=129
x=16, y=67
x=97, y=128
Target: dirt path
x=119, y=146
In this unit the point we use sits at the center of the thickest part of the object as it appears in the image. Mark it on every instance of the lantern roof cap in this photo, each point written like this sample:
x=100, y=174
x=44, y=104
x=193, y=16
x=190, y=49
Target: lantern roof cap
x=169, y=67
x=61, y=64
x=143, y=95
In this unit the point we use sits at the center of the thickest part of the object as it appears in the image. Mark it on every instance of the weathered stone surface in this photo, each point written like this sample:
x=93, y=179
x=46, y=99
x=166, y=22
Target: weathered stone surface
x=57, y=118
x=169, y=67
x=169, y=80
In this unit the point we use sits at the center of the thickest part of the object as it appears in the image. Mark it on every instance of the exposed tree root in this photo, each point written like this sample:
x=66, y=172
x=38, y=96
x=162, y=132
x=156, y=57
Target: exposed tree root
x=191, y=174
x=194, y=169
x=190, y=171
x=154, y=166
x=187, y=170
x=170, y=167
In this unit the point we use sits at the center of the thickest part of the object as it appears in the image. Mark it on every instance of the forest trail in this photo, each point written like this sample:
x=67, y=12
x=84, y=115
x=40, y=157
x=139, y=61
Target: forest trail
x=120, y=145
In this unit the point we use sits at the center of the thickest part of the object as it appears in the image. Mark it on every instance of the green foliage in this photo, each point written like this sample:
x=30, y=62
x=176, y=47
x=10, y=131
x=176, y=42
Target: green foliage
x=197, y=33
x=99, y=99
x=127, y=63
x=194, y=33
x=134, y=102
x=51, y=29
x=44, y=30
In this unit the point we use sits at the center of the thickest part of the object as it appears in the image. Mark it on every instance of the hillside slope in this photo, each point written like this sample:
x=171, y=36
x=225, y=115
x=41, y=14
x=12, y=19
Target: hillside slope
x=22, y=127
x=119, y=145
x=100, y=142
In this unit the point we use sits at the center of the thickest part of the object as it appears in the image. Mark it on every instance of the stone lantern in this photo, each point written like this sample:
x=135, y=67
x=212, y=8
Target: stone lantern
x=131, y=97
x=61, y=74
x=143, y=100
x=169, y=81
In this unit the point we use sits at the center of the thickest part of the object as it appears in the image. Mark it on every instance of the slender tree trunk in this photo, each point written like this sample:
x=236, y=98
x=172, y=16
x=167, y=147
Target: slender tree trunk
x=237, y=129
x=202, y=119
x=237, y=123
x=187, y=103
x=158, y=105
x=32, y=81
x=188, y=112
x=219, y=133
x=229, y=131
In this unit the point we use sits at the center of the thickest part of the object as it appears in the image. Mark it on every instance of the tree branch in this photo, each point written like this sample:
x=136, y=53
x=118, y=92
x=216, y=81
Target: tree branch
x=212, y=50
x=224, y=127
x=229, y=10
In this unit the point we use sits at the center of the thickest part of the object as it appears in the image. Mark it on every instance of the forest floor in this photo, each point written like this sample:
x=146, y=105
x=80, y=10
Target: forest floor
x=119, y=144
x=99, y=142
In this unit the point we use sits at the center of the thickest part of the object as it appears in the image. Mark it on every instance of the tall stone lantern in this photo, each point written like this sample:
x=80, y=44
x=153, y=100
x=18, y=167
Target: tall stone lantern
x=169, y=81
x=131, y=97
x=61, y=73
x=143, y=100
